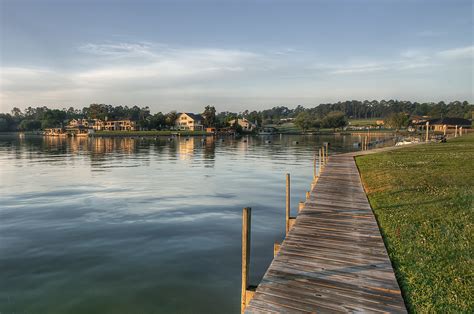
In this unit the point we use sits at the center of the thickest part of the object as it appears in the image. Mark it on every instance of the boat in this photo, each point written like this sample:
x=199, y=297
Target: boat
x=267, y=131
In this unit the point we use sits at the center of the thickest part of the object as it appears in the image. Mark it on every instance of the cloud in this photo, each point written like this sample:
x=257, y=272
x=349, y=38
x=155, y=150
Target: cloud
x=457, y=53
x=118, y=50
x=360, y=68
x=154, y=73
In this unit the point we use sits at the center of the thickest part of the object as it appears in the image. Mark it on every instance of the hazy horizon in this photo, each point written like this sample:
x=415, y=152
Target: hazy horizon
x=252, y=55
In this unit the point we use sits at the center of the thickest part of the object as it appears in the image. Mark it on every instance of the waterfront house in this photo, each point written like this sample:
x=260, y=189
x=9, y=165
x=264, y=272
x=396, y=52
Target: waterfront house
x=120, y=125
x=211, y=130
x=246, y=125
x=439, y=125
x=55, y=132
x=189, y=121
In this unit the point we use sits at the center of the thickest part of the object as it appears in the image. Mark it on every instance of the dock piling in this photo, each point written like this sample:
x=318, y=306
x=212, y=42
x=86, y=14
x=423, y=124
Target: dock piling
x=287, y=203
x=314, y=167
x=427, y=131
x=247, y=293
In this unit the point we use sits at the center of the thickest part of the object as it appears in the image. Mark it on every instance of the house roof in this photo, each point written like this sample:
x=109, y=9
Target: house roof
x=448, y=121
x=194, y=116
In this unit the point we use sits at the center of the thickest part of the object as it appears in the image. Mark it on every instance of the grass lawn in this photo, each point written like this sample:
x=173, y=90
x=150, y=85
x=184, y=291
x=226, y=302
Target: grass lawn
x=148, y=133
x=363, y=122
x=422, y=197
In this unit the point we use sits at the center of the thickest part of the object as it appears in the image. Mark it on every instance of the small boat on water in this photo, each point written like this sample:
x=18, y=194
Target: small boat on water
x=267, y=131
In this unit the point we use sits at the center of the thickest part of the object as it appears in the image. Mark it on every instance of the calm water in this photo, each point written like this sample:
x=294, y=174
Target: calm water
x=121, y=225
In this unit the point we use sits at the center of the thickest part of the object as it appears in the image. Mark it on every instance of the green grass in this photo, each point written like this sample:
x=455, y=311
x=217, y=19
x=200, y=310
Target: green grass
x=148, y=133
x=363, y=122
x=422, y=197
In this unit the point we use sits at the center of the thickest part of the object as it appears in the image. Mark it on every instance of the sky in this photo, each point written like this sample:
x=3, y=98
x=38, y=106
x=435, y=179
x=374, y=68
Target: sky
x=182, y=55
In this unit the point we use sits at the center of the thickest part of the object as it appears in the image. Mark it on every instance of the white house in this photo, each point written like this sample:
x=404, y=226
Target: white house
x=189, y=121
x=246, y=125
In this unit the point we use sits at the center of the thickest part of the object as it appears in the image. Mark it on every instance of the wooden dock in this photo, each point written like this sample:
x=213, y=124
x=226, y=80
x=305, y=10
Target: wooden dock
x=333, y=258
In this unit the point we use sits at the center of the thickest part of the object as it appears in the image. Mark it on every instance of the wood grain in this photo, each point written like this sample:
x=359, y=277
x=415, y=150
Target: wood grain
x=333, y=260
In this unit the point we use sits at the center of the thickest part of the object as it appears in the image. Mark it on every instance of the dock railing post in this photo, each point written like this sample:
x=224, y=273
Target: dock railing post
x=287, y=203
x=314, y=167
x=320, y=163
x=246, y=221
x=427, y=131
x=300, y=206
x=327, y=152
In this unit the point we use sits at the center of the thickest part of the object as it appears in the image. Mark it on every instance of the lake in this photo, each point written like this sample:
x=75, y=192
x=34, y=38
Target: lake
x=129, y=225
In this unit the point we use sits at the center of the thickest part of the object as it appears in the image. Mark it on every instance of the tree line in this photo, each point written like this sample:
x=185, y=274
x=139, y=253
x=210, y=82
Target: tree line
x=333, y=115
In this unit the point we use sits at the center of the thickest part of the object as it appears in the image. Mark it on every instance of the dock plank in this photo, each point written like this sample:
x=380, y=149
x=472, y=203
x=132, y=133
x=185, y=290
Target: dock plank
x=334, y=258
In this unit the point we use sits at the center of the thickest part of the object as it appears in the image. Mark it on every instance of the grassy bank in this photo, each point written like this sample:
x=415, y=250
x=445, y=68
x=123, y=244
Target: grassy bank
x=422, y=197
x=149, y=133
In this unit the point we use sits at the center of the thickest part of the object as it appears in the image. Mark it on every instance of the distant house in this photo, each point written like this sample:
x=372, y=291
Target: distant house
x=120, y=125
x=419, y=119
x=442, y=123
x=246, y=125
x=211, y=130
x=55, y=132
x=189, y=121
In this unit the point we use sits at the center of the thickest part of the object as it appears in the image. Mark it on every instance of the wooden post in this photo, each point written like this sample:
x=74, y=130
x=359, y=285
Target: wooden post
x=327, y=152
x=427, y=131
x=320, y=164
x=276, y=248
x=456, y=132
x=444, y=129
x=300, y=206
x=314, y=167
x=287, y=203
x=246, y=217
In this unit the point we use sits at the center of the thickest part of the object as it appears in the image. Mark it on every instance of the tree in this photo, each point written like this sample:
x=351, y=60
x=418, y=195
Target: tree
x=334, y=120
x=29, y=125
x=305, y=120
x=170, y=118
x=209, y=116
x=397, y=120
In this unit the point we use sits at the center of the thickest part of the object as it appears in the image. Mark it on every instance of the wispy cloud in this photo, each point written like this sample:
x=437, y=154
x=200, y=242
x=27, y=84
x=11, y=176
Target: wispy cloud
x=148, y=73
x=457, y=53
x=409, y=59
x=120, y=50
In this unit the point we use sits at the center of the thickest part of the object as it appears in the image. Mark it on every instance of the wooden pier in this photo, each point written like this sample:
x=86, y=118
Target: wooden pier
x=333, y=258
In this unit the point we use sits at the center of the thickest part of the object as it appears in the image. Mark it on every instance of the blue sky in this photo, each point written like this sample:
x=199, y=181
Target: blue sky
x=233, y=54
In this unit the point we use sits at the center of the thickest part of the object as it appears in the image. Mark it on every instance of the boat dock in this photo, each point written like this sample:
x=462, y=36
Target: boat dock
x=333, y=258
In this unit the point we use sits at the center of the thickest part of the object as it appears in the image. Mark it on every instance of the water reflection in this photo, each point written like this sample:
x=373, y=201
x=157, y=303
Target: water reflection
x=126, y=225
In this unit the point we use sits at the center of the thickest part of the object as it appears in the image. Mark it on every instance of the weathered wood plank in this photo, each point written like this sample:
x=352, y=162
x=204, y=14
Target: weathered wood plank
x=333, y=259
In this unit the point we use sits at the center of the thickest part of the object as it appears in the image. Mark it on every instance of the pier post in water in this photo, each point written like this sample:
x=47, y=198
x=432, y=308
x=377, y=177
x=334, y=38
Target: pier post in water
x=319, y=162
x=287, y=203
x=314, y=167
x=300, y=206
x=427, y=131
x=247, y=292
x=327, y=152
